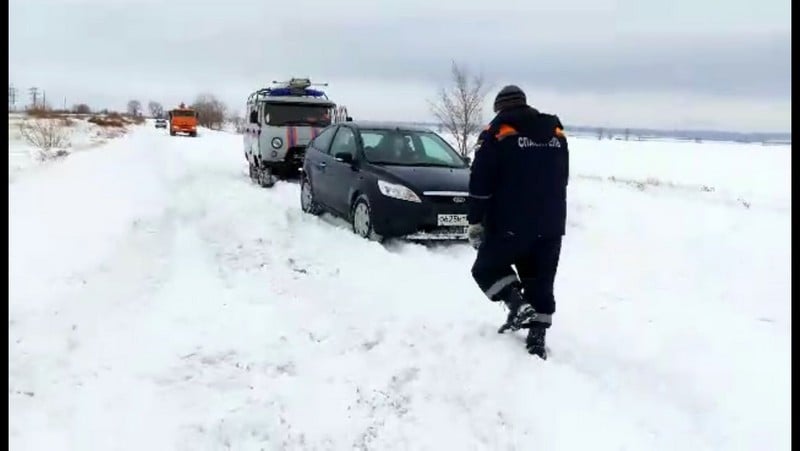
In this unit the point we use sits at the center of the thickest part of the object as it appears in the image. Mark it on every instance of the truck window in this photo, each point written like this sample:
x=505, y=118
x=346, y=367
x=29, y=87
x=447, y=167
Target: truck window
x=297, y=114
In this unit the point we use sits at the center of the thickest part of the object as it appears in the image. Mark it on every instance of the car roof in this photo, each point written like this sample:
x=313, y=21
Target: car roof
x=379, y=125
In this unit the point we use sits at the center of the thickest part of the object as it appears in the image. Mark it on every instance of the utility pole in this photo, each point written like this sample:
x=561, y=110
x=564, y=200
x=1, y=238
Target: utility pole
x=34, y=95
x=12, y=98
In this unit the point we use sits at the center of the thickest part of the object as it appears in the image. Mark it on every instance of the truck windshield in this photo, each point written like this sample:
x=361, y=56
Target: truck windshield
x=182, y=113
x=297, y=114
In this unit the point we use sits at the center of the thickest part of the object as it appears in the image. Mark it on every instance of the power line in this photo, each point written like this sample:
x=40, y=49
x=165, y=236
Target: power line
x=34, y=92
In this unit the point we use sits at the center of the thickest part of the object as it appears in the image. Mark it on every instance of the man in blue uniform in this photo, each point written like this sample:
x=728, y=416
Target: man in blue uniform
x=517, y=212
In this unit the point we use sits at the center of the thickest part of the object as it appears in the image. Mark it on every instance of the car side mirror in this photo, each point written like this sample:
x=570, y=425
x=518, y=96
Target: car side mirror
x=348, y=119
x=467, y=160
x=344, y=157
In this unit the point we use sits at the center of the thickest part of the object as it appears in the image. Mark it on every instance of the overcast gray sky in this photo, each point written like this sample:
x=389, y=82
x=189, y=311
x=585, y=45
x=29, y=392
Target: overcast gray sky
x=628, y=63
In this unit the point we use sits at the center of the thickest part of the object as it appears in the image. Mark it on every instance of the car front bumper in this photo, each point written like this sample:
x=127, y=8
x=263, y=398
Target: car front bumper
x=394, y=218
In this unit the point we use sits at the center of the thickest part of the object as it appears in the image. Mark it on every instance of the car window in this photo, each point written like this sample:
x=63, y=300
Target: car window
x=436, y=150
x=370, y=139
x=323, y=141
x=344, y=142
x=408, y=148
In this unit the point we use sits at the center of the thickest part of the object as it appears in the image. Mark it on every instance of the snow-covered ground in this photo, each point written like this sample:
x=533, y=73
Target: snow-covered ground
x=160, y=300
x=80, y=135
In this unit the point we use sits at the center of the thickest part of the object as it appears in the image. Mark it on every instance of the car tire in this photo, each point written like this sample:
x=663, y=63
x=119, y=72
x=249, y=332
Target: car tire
x=361, y=219
x=307, y=202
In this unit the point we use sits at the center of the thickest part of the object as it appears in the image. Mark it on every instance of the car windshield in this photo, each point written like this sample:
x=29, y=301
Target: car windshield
x=409, y=148
x=297, y=114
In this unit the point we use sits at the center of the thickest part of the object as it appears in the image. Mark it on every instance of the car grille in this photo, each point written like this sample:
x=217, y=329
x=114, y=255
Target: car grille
x=446, y=198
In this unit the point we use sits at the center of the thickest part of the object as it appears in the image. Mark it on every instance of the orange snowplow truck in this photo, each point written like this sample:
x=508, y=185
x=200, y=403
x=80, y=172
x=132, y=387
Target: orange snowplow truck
x=183, y=120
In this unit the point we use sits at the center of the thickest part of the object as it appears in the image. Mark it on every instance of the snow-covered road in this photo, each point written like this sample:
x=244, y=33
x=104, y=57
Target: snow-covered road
x=160, y=300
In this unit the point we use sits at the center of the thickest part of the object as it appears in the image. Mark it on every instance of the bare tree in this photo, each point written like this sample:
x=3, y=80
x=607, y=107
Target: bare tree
x=237, y=121
x=210, y=111
x=156, y=109
x=45, y=135
x=459, y=108
x=81, y=108
x=134, y=107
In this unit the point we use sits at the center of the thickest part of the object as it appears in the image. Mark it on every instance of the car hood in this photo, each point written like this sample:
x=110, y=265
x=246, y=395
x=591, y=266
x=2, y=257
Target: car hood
x=426, y=178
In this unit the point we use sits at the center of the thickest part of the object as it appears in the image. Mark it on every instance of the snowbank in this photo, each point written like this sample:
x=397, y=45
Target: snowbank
x=80, y=135
x=161, y=300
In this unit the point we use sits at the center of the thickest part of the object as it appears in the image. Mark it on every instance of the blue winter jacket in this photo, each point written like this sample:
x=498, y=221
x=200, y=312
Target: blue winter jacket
x=518, y=183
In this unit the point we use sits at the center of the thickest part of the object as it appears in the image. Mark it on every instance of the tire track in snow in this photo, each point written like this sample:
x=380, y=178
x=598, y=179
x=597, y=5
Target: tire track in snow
x=281, y=267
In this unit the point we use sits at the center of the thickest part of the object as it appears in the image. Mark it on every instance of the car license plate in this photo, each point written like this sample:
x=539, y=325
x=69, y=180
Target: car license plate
x=452, y=220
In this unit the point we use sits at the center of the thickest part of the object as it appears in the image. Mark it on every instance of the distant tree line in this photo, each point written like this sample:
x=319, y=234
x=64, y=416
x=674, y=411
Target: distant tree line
x=211, y=112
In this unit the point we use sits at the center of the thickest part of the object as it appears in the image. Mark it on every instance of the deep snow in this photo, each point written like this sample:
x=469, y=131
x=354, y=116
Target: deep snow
x=160, y=300
x=80, y=135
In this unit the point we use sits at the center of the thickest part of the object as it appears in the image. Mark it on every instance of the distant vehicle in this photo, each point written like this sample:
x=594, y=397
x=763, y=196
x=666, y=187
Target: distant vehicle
x=388, y=180
x=161, y=123
x=281, y=120
x=182, y=120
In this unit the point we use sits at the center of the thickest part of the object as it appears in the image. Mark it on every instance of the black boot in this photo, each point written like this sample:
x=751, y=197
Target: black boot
x=520, y=312
x=535, y=341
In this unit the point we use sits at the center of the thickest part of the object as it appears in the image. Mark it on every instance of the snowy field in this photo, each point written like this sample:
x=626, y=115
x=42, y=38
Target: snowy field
x=79, y=133
x=160, y=300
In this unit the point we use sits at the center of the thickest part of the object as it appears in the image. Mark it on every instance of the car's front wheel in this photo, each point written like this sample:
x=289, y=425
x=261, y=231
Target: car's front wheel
x=307, y=202
x=361, y=219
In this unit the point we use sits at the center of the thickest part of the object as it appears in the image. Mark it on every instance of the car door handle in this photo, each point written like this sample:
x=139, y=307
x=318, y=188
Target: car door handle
x=322, y=164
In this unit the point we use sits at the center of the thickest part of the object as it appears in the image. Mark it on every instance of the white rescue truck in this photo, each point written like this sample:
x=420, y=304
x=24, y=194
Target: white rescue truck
x=281, y=121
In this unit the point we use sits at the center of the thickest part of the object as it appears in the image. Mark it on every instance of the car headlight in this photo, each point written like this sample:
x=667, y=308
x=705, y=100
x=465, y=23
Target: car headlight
x=397, y=191
x=277, y=143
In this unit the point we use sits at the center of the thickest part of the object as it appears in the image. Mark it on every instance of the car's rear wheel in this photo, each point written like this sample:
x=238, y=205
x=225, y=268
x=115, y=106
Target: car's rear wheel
x=361, y=220
x=307, y=202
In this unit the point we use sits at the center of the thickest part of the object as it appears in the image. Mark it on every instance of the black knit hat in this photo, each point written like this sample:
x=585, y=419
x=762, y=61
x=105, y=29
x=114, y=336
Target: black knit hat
x=509, y=97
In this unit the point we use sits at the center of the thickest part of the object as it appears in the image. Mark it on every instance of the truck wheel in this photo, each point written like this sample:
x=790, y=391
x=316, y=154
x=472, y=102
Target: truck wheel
x=172, y=133
x=307, y=202
x=251, y=170
x=361, y=220
x=265, y=178
x=193, y=134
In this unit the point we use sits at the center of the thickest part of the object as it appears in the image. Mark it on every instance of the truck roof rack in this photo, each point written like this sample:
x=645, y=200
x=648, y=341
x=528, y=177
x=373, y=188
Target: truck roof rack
x=294, y=87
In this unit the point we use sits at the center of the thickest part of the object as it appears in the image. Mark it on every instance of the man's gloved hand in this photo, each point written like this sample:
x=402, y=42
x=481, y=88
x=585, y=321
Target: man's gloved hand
x=475, y=235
